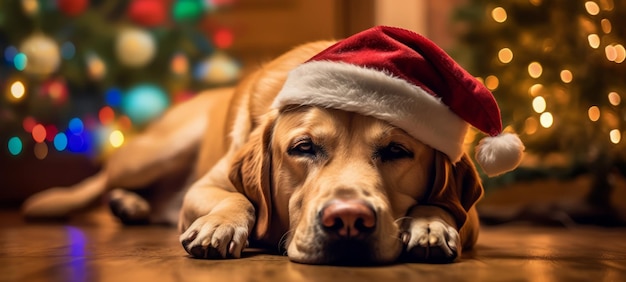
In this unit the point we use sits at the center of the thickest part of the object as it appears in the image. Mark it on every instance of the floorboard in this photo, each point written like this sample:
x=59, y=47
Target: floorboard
x=96, y=248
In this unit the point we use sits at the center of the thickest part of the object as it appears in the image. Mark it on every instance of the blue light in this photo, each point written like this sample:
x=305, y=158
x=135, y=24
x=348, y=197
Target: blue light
x=20, y=61
x=76, y=126
x=9, y=54
x=76, y=143
x=60, y=141
x=144, y=102
x=68, y=50
x=114, y=97
x=15, y=145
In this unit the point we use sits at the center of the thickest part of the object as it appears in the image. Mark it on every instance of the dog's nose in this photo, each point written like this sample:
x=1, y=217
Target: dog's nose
x=348, y=218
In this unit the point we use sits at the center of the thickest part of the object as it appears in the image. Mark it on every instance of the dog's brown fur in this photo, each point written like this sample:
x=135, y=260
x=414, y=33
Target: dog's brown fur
x=269, y=177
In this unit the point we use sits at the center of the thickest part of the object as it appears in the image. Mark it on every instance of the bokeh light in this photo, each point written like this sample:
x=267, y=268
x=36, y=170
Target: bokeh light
x=614, y=98
x=68, y=50
x=113, y=97
x=15, y=145
x=39, y=133
x=535, y=89
x=28, y=123
x=492, y=82
x=76, y=126
x=51, y=132
x=20, y=61
x=566, y=76
x=60, y=141
x=41, y=150
x=223, y=38
x=116, y=138
x=18, y=90
x=499, y=14
x=592, y=8
x=106, y=115
x=9, y=54
x=594, y=40
x=535, y=70
x=539, y=104
x=615, y=135
x=505, y=55
x=593, y=113
x=546, y=120
x=144, y=102
x=606, y=25
x=531, y=125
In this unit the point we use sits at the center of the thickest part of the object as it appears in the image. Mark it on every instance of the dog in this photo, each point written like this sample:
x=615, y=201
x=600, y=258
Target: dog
x=323, y=185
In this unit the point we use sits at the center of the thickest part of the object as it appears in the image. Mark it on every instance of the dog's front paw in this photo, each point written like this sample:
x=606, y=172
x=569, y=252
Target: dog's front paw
x=431, y=240
x=215, y=237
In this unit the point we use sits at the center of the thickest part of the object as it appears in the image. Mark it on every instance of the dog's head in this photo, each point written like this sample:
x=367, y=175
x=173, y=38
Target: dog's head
x=340, y=182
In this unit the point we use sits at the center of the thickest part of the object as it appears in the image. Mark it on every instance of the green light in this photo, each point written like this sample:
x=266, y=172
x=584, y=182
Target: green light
x=20, y=60
x=15, y=145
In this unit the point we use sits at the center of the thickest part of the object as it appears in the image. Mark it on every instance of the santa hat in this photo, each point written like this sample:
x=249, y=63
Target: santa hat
x=405, y=79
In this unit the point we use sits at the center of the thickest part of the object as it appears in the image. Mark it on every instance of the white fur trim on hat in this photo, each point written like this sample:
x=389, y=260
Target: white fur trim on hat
x=499, y=154
x=376, y=93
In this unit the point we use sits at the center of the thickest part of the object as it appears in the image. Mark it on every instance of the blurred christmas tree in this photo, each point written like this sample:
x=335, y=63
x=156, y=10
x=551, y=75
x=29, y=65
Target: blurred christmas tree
x=557, y=69
x=80, y=75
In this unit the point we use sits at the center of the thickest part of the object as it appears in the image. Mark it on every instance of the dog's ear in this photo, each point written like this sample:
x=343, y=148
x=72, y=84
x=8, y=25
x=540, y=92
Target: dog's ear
x=251, y=173
x=456, y=187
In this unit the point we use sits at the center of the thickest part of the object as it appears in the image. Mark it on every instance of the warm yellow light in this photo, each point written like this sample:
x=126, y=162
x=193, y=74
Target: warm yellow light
x=535, y=89
x=539, y=104
x=606, y=25
x=566, y=76
x=531, y=125
x=492, y=82
x=116, y=139
x=594, y=113
x=535, y=69
x=499, y=14
x=592, y=8
x=615, y=136
x=614, y=98
x=18, y=90
x=546, y=119
x=535, y=2
x=594, y=40
x=621, y=53
x=610, y=52
x=505, y=55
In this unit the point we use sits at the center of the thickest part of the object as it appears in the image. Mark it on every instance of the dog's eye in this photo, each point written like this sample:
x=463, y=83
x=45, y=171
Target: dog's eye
x=303, y=148
x=393, y=151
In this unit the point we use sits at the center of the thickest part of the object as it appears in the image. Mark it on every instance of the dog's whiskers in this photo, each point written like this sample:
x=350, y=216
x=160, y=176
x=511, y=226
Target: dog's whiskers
x=283, y=242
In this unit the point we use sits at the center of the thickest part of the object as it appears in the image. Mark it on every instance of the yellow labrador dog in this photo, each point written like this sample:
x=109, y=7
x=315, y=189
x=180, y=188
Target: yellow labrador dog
x=325, y=185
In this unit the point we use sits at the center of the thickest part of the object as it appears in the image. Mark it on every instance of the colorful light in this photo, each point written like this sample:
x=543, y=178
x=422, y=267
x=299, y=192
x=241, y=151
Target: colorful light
x=539, y=104
x=594, y=40
x=28, y=123
x=610, y=52
x=9, y=54
x=621, y=53
x=144, y=102
x=531, y=125
x=15, y=145
x=535, y=89
x=20, y=61
x=179, y=64
x=223, y=38
x=106, y=115
x=592, y=8
x=566, y=76
x=18, y=90
x=51, y=132
x=615, y=135
x=76, y=126
x=39, y=133
x=535, y=70
x=68, y=50
x=614, y=99
x=505, y=55
x=499, y=14
x=41, y=150
x=60, y=141
x=492, y=82
x=116, y=138
x=546, y=120
x=593, y=113
x=606, y=26
x=113, y=97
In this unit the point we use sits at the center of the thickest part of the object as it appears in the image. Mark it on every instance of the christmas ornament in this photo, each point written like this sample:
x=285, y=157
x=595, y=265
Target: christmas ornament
x=72, y=7
x=218, y=69
x=42, y=55
x=135, y=47
x=144, y=102
x=148, y=13
x=401, y=77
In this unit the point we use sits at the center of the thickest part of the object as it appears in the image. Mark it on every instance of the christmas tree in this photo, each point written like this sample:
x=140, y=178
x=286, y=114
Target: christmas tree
x=557, y=70
x=80, y=76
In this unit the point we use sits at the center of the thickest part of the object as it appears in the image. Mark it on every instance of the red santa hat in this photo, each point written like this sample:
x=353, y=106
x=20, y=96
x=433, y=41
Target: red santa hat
x=405, y=79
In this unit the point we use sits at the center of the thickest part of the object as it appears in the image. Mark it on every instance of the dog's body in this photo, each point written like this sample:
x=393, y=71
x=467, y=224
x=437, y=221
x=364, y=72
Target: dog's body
x=328, y=186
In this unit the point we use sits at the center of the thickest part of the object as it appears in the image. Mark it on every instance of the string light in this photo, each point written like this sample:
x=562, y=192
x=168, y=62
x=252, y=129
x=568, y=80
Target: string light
x=594, y=40
x=17, y=90
x=592, y=8
x=535, y=69
x=566, y=76
x=614, y=98
x=539, y=104
x=116, y=138
x=546, y=119
x=492, y=82
x=606, y=26
x=593, y=113
x=499, y=14
x=505, y=55
x=615, y=135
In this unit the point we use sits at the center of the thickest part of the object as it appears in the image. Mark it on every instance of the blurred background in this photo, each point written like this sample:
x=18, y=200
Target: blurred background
x=81, y=77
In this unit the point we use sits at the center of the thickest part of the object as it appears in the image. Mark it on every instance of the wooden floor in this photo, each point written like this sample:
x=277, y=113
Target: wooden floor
x=96, y=248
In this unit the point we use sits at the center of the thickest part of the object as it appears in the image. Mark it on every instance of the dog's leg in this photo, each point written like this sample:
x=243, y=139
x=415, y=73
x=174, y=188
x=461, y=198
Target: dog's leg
x=429, y=235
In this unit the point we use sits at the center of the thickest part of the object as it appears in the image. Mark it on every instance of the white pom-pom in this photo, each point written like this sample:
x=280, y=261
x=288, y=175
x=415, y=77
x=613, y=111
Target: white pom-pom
x=499, y=154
